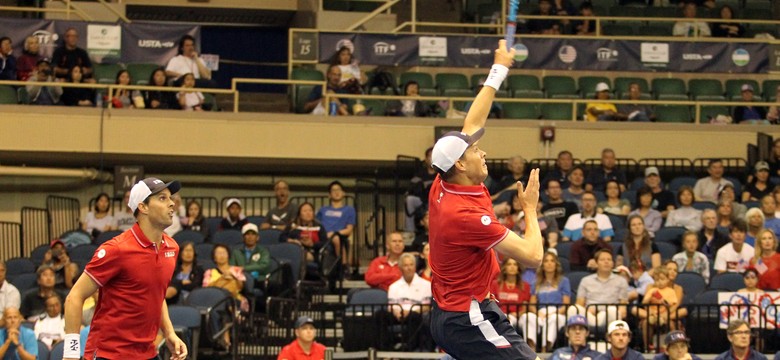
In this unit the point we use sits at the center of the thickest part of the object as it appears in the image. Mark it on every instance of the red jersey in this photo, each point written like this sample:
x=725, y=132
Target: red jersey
x=463, y=232
x=294, y=351
x=511, y=300
x=133, y=274
x=381, y=273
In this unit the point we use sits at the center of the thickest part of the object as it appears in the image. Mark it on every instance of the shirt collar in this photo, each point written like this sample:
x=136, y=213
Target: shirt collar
x=142, y=240
x=470, y=190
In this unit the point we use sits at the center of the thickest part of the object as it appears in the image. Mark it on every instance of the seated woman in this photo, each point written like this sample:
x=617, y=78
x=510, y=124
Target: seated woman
x=190, y=100
x=306, y=231
x=125, y=98
x=767, y=261
x=160, y=99
x=57, y=259
x=76, y=96
x=614, y=204
x=187, y=276
x=550, y=297
x=195, y=221
x=513, y=295
x=652, y=217
x=100, y=219
x=638, y=246
x=224, y=276
x=686, y=215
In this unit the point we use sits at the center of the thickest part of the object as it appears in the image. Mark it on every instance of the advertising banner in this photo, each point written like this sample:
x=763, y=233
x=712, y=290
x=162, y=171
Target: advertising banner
x=759, y=310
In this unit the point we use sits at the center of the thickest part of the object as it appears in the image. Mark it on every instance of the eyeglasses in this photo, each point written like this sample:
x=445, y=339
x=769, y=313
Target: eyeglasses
x=751, y=277
x=741, y=332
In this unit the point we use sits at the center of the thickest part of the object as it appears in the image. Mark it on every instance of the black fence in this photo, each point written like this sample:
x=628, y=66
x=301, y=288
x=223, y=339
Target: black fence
x=35, y=229
x=10, y=240
x=210, y=206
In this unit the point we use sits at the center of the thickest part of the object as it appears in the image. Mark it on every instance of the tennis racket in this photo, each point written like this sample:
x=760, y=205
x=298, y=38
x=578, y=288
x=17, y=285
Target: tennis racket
x=511, y=23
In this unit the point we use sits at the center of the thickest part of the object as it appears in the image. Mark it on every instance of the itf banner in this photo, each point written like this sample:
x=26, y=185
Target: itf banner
x=558, y=54
x=105, y=43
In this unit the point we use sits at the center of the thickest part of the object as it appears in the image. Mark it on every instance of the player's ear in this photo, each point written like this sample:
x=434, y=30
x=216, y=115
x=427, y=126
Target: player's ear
x=143, y=208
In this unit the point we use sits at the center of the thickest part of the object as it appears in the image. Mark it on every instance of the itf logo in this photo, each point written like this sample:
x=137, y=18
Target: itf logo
x=383, y=48
x=606, y=54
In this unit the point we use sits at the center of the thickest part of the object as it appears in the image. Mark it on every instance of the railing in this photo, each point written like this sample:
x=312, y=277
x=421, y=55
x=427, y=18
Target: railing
x=35, y=229
x=68, y=10
x=10, y=240
x=64, y=214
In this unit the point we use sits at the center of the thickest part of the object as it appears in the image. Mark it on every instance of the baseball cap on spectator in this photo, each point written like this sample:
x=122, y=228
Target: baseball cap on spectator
x=149, y=186
x=747, y=87
x=675, y=337
x=451, y=147
x=55, y=242
x=303, y=320
x=232, y=201
x=761, y=165
x=576, y=320
x=602, y=87
x=249, y=227
x=617, y=325
x=652, y=170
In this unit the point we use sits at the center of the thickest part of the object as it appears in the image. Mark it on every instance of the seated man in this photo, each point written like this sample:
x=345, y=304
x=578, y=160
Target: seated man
x=663, y=200
x=7, y=60
x=254, y=259
x=676, y=347
x=316, y=102
x=618, y=337
x=409, y=299
x=383, y=271
x=304, y=346
x=739, y=334
x=573, y=228
x=582, y=253
x=234, y=219
x=69, y=55
x=43, y=94
x=34, y=302
x=545, y=26
x=564, y=163
x=338, y=218
x=735, y=256
x=601, y=110
x=692, y=27
x=636, y=112
x=710, y=238
x=708, y=188
x=17, y=341
x=508, y=183
x=768, y=207
x=597, y=178
x=578, y=349
x=282, y=216
x=187, y=61
x=50, y=327
x=745, y=113
x=9, y=294
x=556, y=207
x=603, y=287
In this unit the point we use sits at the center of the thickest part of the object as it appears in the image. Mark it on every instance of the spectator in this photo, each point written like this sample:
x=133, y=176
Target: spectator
x=614, y=205
x=692, y=27
x=736, y=256
x=421, y=232
x=759, y=186
x=636, y=111
x=226, y=276
x=7, y=59
x=767, y=261
x=638, y=246
x=685, y=215
x=100, y=219
x=727, y=194
x=563, y=8
x=338, y=218
x=410, y=299
x=187, y=61
x=352, y=79
x=690, y=260
x=739, y=333
x=125, y=98
x=638, y=279
x=508, y=183
x=34, y=302
x=124, y=218
x=64, y=270
x=234, y=219
x=726, y=28
x=755, y=223
x=618, y=337
x=154, y=99
x=307, y=231
x=43, y=94
x=576, y=187
x=426, y=272
x=18, y=342
x=750, y=277
x=563, y=165
x=573, y=228
x=708, y=188
x=417, y=195
x=316, y=101
x=190, y=100
x=304, y=346
x=408, y=107
x=601, y=110
x=69, y=55
x=748, y=113
x=768, y=208
x=556, y=207
x=652, y=218
x=252, y=258
x=663, y=200
x=551, y=295
x=513, y=295
x=76, y=96
x=195, y=221
x=280, y=217
x=384, y=270
x=773, y=115
x=26, y=64
x=711, y=239
x=661, y=301
x=603, y=287
x=544, y=26
x=585, y=27
x=680, y=312
x=578, y=349
x=50, y=327
x=548, y=226
x=187, y=276
x=9, y=294
x=676, y=347
x=583, y=251
x=598, y=178
x=725, y=215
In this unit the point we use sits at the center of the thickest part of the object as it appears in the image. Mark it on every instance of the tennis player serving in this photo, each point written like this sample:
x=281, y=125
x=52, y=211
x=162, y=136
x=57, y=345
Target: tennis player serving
x=464, y=235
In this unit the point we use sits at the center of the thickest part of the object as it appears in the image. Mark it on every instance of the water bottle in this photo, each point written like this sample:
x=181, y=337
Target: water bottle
x=334, y=108
x=99, y=100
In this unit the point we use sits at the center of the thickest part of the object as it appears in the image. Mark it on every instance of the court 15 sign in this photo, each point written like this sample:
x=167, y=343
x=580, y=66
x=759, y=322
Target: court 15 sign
x=305, y=46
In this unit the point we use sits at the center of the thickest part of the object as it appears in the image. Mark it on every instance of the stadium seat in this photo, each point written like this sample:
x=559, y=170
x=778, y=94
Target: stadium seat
x=8, y=95
x=560, y=87
x=212, y=223
x=17, y=266
x=186, y=321
x=106, y=73
x=446, y=81
x=622, y=84
x=671, y=234
x=291, y=254
x=362, y=324
x=106, y=235
x=657, y=31
x=425, y=80
x=564, y=249
x=524, y=86
x=556, y=111
x=82, y=254
x=662, y=12
x=679, y=181
x=630, y=195
x=617, y=221
x=703, y=205
x=203, y=250
x=587, y=85
x=637, y=184
x=141, y=73
x=525, y=111
x=301, y=73
x=188, y=236
x=374, y=107
x=39, y=253
x=669, y=89
x=336, y=5
x=706, y=90
x=210, y=102
x=565, y=265
x=734, y=89
x=769, y=88
x=727, y=282
x=210, y=301
x=364, y=6
x=692, y=283
x=617, y=246
x=24, y=281
x=575, y=277
x=617, y=30
x=300, y=93
x=673, y=114
x=709, y=112
x=229, y=237
x=22, y=95
x=270, y=237
x=666, y=249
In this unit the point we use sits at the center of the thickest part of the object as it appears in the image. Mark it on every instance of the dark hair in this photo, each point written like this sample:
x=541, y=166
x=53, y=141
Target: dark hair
x=277, y=182
x=151, y=77
x=547, y=183
x=42, y=61
x=69, y=77
x=200, y=209
x=181, y=250
x=97, y=199
x=563, y=152
x=334, y=183
x=644, y=190
x=726, y=6
x=146, y=201
x=4, y=38
x=713, y=162
x=586, y=5
x=588, y=192
x=217, y=246
x=119, y=73
x=738, y=225
x=590, y=221
x=601, y=251
x=182, y=40
x=616, y=183
x=409, y=83
x=335, y=59
x=297, y=219
x=577, y=167
x=681, y=190
x=750, y=269
x=429, y=150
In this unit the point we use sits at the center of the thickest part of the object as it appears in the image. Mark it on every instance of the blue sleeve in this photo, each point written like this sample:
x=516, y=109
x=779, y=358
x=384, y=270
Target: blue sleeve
x=319, y=215
x=607, y=232
x=316, y=93
x=351, y=216
x=568, y=233
x=29, y=342
x=565, y=287
x=555, y=355
x=533, y=292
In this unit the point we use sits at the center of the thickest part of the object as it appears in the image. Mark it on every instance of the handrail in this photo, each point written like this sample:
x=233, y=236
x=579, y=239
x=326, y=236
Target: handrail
x=234, y=85
x=387, y=5
x=117, y=13
x=69, y=5
x=42, y=10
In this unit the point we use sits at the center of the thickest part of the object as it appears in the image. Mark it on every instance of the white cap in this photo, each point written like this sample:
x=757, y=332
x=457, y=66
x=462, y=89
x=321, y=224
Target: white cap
x=249, y=227
x=651, y=170
x=747, y=87
x=232, y=201
x=617, y=325
x=602, y=86
x=149, y=186
x=451, y=147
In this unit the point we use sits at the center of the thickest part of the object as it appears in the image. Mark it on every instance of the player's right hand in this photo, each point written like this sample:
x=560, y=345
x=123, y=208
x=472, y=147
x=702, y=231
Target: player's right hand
x=502, y=56
x=529, y=195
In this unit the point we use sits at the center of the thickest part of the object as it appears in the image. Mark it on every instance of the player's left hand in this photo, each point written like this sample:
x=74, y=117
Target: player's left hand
x=529, y=195
x=176, y=347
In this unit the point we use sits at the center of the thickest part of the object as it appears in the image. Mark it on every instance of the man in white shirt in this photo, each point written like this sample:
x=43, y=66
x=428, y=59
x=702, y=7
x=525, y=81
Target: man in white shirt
x=691, y=28
x=409, y=299
x=735, y=256
x=573, y=228
x=50, y=327
x=708, y=188
x=188, y=62
x=9, y=294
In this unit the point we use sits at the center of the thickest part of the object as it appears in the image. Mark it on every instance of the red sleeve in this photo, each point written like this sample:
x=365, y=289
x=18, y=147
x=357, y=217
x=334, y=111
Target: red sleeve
x=380, y=278
x=479, y=228
x=286, y=354
x=105, y=263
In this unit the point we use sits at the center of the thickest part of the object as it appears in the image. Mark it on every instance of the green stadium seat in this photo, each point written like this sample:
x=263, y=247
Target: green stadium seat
x=765, y=5
x=669, y=89
x=622, y=84
x=756, y=14
x=209, y=101
x=425, y=80
x=662, y=11
x=446, y=81
x=656, y=31
x=22, y=95
x=587, y=85
x=503, y=94
x=711, y=111
x=617, y=30
x=374, y=107
x=307, y=74
x=524, y=86
x=556, y=111
x=734, y=89
x=8, y=95
x=673, y=114
x=106, y=73
x=626, y=11
x=141, y=73
x=706, y=90
x=470, y=9
x=486, y=14
x=560, y=87
x=525, y=111
x=300, y=93
x=770, y=89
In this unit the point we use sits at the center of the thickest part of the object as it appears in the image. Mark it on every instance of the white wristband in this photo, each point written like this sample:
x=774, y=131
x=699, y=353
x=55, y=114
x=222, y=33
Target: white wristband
x=72, y=348
x=496, y=76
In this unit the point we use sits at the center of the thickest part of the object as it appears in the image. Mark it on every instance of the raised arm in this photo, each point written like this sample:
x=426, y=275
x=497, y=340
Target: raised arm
x=480, y=109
